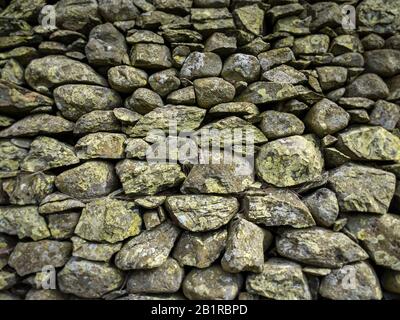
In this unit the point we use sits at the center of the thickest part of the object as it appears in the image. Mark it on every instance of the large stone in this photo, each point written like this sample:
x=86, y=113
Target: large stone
x=201, y=65
x=385, y=114
x=164, y=82
x=267, y=92
x=250, y=18
x=384, y=62
x=144, y=100
x=30, y=257
x=200, y=212
x=275, y=124
x=323, y=206
x=279, y=280
x=118, y=10
x=212, y=91
x=25, y=10
x=89, y=180
x=319, y=247
x=126, y=79
x=289, y=161
x=101, y=145
x=380, y=16
x=95, y=121
x=276, y=207
x=11, y=156
x=151, y=56
x=312, y=44
x=62, y=225
x=368, y=85
x=275, y=57
x=109, y=220
x=331, y=77
x=241, y=67
x=94, y=251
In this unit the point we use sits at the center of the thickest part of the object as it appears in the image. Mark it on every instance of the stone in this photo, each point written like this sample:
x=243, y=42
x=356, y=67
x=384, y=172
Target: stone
x=326, y=117
x=250, y=18
x=277, y=161
x=394, y=88
x=331, y=77
x=241, y=67
x=89, y=279
x=37, y=294
x=151, y=56
x=349, y=59
x=144, y=100
x=244, y=247
x=390, y=281
x=246, y=110
x=369, y=143
x=185, y=96
x=109, y=220
x=261, y=92
x=62, y=225
x=372, y=41
x=126, y=79
x=101, y=145
x=47, y=153
x=102, y=252
x=211, y=283
x=323, y=206
x=284, y=74
x=280, y=279
x=276, y=207
x=212, y=91
x=346, y=43
x=379, y=236
x=319, y=247
x=11, y=156
x=383, y=62
x=275, y=57
x=356, y=102
x=97, y=120
x=24, y=222
x=136, y=148
x=275, y=124
x=356, y=281
x=379, y=16
x=148, y=250
x=19, y=9
x=118, y=10
x=51, y=71
x=368, y=85
x=385, y=114
x=362, y=189
x=282, y=11
x=201, y=65
x=30, y=257
x=201, y=212
x=141, y=177
x=200, y=250
x=166, y=278
x=220, y=43
x=7, y=280
x=88, y=180
x=311, y=44
x=75, y=100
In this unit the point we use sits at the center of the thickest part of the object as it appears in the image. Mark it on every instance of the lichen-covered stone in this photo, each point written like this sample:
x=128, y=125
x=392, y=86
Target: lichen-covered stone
x=148, y=250
x=284, y=74
x=385, y=114
x=275, y=124
x=7, y=280
x=62, y=225
x=211, y=283
x=89, y=180
x=251, y=18
x=151, y=56
x=246, y=110
x=94, y=251
x=126, y=79
x=212, y=91
x=201, y=65
x=311, y=44
x=289, y=161
x=241, y=67
x=58, y=202
x=97, y=120
x=164, y=82
x=200, y=212
x=101, y=145
x=280, y=279
x=384, y=62
x=275, y=57
x=391, y=281
x=323, y=206
x=368, y=85
x=144, y=100
x=109, y=220
x=331, y=77
x=30, y=257
x=267, y=92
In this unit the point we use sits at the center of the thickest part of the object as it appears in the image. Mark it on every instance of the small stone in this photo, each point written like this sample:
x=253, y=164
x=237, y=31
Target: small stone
x=280, y=280
x=319, y=247
x=212, y=283
x=102, y=252
x=30, y=257
x=150, y=202
x=385, y=114
x=220, y=43
x=372, y=42
x=148, y=250
x=349, y=59
x=275, y=57
x=89, y=180
x=250, y=18
x=200, y=212
x=118, y=10
x=282, y=11
x=144, y=100
x=101, y=145
x=144, y=36
x=89, y=279
x=275, y=207
x=244, y=247
x=62, y=225
x=331, y=77
x=241, y=67
x=136, y=148
x=323, y=206
x=346, y=43
x=151, y=56
x=384, y=62
x=164, y=82
x=126, y=79
x=95, y=121
x=364, y=284
x=44, y=294
x=213, y=91
x=185, y=96
x=7, y=280
x=109, y=220
x=312, y=44
x=267, y=92
x=245, y=109
x=166, y=278
x=334, y=158
x=284, y=74
x=201, y=65
x=368, y=85
x=200, y=250
x=275, y=124
x=356, y=102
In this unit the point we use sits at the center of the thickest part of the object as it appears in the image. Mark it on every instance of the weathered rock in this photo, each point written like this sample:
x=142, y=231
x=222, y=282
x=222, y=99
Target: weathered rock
x=267, y=92
x=200, y=250
x=331, y=77
x=109, y=220
x=368, y=85
x=212, y=91
x=385, y=114
x=250, y=18
x=166, y=278
x=19, y=9
x=164, y=82
x=201, y=65
x=136, y=148
x=275, y=207
x=379, y=16
x=151, y=56
x=98, y=120
x=148, y=250
x=275, y=124
x=220, y=43
x=323, y=206
x=289, y=161
x=319, y=247
x=126, y=79
x=118, y=10
x=312, y=44
x=200, y=212
x=89, y=180
x=7, y=280
x=384, y=62
x=101, y=145
x=30, y=257
x=184, y=96
x=43, y=294
x=140, y=177
x=94, y=251
x=58, y=202
x=279, y=280
x=241, y=67
x=275, y=57
x=284, y=74
x=391, y=281
x=356, y=281
x=212, y=283
x=62, y=225
x=144, y=100
x=11, y=156
x=88, y=279
x=246, y=110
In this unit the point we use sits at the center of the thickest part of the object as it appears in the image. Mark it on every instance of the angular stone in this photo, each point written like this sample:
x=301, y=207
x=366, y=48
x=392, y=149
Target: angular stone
x=280, y=279
x=275, y=57
x=101, y=145
x=284, y=74
x=201, y=65
x=246, y=110
x=326, y=117
x=148, y=250
x=109, y=220
x=289, y=161
x=7, y=280
x=244, y=247
x=267, y=92
x=118, y=10
x=47, y=153
x=164, y=82
x=250, y=18
x=200, y=250
x=356, y=281
x=144, y=36
x=51, y=71
x=184, y=96
x=38, y=124
x=394, y=88
x=166, y=278
x=369, y=143
x=379, y=235
x=144, y=100
x=88, y=279
x=212, y=91
x=385, y=114
x=75, y=100
x=384, y=62
x=319, y=247
x=151, y=56
x=11, y=156
x=331, y=77
x=275, y=124
x=95, y=121
x=94, y=251
x=212, y=283
x=379, y=16
x=30, y=257
x=368, y=85
x=312, y=44
x=126, y=79
x=275, y=207
x=220, y=43
x=349, y=59
x=356, y=102
x=62, y=225
x=19, y=9
x=141, y=177
x=200, y=212
x=241, y=67
x=323, y=206
x=23, y=222
x=89, y=180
